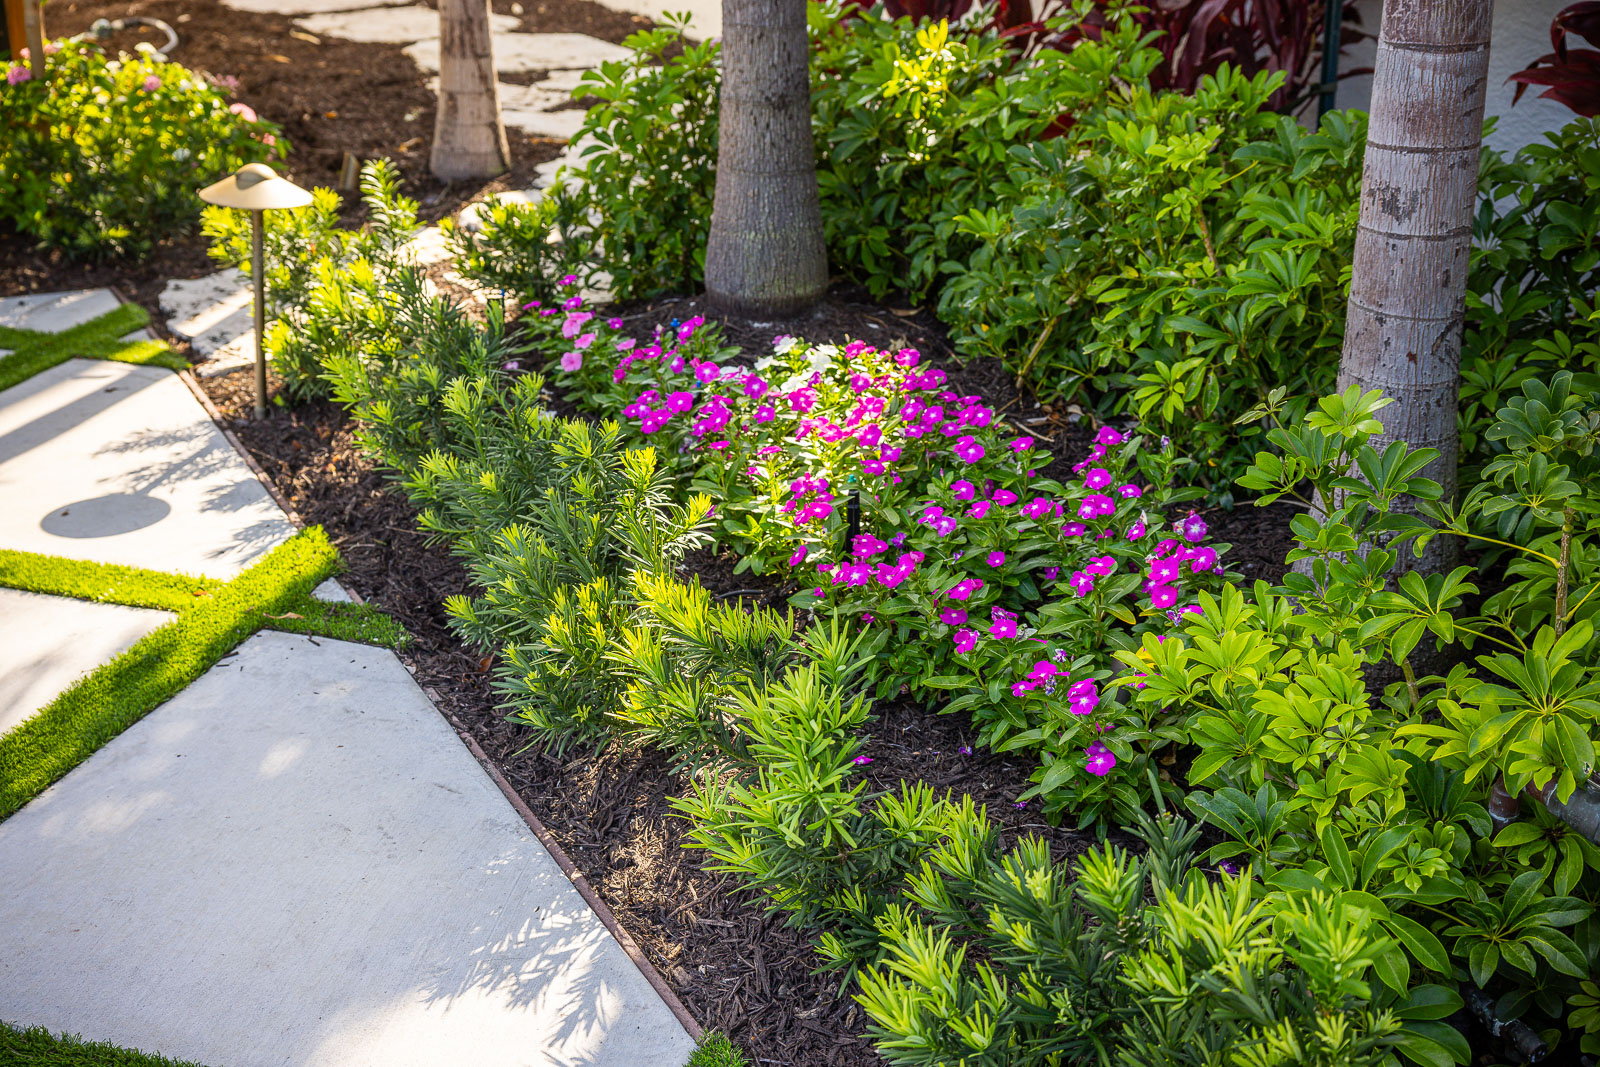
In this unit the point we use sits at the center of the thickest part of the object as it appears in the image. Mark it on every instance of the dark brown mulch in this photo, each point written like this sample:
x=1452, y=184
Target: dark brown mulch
x=331, y=96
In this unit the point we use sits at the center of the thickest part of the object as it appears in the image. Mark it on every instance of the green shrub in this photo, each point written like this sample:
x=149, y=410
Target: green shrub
x=103, y=156
x=329, y=288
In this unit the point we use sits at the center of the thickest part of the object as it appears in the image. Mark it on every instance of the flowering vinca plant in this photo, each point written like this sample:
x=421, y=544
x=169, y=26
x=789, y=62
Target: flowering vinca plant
x=891, y=499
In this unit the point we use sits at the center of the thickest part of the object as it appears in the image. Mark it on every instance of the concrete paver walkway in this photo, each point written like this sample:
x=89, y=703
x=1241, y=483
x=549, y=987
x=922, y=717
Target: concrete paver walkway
x=293, y=862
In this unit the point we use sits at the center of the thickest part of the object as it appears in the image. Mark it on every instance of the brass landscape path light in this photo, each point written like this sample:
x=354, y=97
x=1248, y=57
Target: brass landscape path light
x=257, y=188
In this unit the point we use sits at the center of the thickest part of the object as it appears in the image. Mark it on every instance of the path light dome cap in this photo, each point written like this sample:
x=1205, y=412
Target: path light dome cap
x=255, y=187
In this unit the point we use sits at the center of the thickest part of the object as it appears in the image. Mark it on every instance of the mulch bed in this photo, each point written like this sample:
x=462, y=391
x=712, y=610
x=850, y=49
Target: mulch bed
x=331, y=96
x=737, y=968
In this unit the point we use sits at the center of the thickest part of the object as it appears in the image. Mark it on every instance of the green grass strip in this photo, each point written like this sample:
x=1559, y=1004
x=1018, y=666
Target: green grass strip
x=100, y=705
x=135, y=587
x=104, y=583
x=99, y=338
x=716, y=1051
x=37, y=1047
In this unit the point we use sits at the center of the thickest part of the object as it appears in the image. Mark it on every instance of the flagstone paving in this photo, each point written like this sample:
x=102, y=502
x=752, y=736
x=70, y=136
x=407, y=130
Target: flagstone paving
x=295, y=861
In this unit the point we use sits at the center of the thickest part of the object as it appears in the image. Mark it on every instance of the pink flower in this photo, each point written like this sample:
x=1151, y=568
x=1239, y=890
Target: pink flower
x=1165, y=571
x=1192, y=528
x=584, y=341
x=1004, y=497
x=1163, y=596
x=968, y=450
x=625, y=344
x=615, y=324
x=1083, y=697
x=679, y=402
x=862, y=761
x=965, y=640
x=568, y=279
x=965, y=588
x=1095, y=505
x=1002, y=625
x=1203, y=559
x=799, y=556
x=1136, y=531
x=572, y=361
x=1100, y=761
x=244, y=111
x=1020, y=444
x=151, y=83
x=1101, y=565
x=995, y=559
x=1108, y=438
x=1074, y=529
x=1129, y=492
x=1082, y=583
x=953, y=616
x=979, y=508
x=573, y=325
x=1097, y=478
x=963, y=489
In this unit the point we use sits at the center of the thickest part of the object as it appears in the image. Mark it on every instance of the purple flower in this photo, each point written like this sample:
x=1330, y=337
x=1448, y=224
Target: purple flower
x=965, y=640
x=965, y=588
x=953, y=616
x=1203, y=559
x=968, y=450
x=1082, y=583
x=1096, y=477
x=1108, y=438
x=572, y=303
x=1002, y=625
x=995, y=559
x=1020, y=444
x=799, y=556
x=1192, y=528
x=965, y=750
x=1136, y=531
x=18, y=74
x=1129, y=491
x=615, y=324
x=1083, y=697
x=1100, y=761
x=1095, y=505
x=862, y=761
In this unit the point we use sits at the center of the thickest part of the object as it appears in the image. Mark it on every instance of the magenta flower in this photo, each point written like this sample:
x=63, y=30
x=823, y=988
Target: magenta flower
x=1136, y=531
x=1192, y=528
x=1108, y=438
x=1082, y=583
x=625, y=344
x=995, y=559
x=953, y=616
x=1203, y=559
x=1100, y=760
x=572, y=361
x=968, y=450
x=615, y=324
x=1020, y=444
x=1163, y=596
x=1004, y=497
x=568, y=279
x=963, y=489
x=707, y=372
x=1097, y=478
x=1165, y=571
x=1074, y=529
x=1129, y=491
x=1051, y=573
x=1096, y=505
x=1002, y=624
x=573, y=325
x=965, y=640
x=964, y=588
x=862, y=761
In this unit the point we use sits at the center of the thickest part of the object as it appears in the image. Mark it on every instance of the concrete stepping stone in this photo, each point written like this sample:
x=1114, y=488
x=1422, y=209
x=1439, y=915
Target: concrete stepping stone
x=212, y=312
x=121, y=464
x=48, y=642
x=54, y=312
x=527, y=52
x=295, y=861
x=307, y=7
x=392, y=25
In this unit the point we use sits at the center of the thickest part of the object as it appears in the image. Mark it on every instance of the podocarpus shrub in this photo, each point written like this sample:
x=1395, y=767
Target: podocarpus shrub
x=103, y=155
x=333, y=291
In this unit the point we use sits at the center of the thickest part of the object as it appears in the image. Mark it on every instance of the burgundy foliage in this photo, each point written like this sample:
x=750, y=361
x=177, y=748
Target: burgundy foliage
x=1571, y=75
x=1195, y=37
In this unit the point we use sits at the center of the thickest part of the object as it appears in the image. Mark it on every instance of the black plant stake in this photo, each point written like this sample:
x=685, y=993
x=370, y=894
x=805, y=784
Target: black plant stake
x=852, y=514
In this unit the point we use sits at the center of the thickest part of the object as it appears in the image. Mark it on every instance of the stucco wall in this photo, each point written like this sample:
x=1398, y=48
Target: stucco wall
x=1521, y=34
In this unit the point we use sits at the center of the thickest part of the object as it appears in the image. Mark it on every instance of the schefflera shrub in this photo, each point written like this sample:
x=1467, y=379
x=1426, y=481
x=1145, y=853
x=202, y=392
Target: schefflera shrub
x=891, y=500
x=103, y=155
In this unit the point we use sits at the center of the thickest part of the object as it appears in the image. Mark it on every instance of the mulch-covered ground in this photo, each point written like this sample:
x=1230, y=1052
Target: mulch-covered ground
x=331, y=97
x=737, y=968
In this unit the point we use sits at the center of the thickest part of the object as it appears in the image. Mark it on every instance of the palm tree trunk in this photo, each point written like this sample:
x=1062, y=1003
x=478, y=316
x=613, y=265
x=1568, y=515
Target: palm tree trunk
x=1418, y=192
x=765, y=255
x=468, y=138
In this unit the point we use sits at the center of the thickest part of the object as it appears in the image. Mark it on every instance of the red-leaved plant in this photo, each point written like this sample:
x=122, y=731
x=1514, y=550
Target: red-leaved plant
x=1571, y=76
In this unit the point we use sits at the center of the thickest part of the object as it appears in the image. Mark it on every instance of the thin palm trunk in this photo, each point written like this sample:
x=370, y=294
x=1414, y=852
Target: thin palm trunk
x=1419, y=190
x=765, y=254
x=469, y=140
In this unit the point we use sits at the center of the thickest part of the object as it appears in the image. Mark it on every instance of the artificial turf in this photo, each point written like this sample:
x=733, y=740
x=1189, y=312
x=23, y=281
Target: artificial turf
x=212, y=618
x=99, y=338
x=35, y=1046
